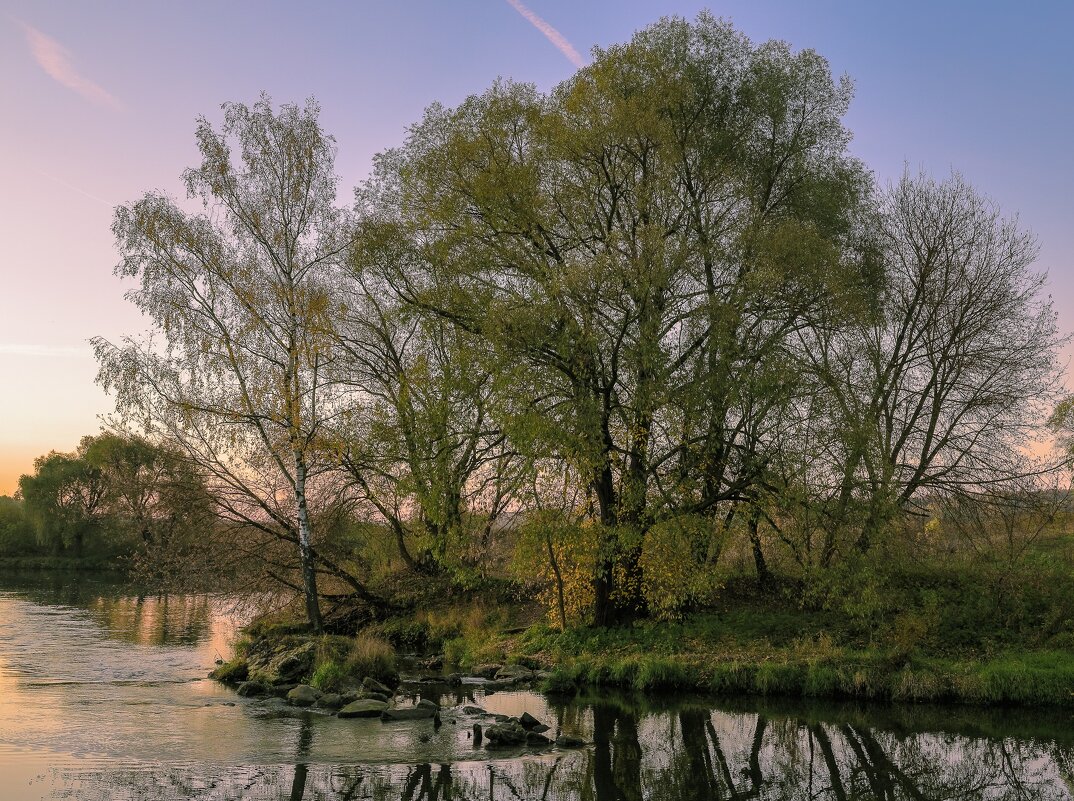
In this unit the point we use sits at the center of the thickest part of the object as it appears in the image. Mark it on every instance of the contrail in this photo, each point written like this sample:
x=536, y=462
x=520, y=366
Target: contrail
x=74, y=188
x=554, y=36
x=54, y=59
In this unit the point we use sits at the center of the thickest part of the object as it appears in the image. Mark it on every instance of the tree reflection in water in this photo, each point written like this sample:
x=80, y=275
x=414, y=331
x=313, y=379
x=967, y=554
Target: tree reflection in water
x=691, y=754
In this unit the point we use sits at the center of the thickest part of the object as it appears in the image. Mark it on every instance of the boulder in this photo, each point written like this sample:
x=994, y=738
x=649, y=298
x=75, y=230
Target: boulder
x=473, y=710
x=487, y=671
x=569, y=741
x=280, y=663
x=371, y=685
x=363, y=708
x=513, y=673
x=425, y=703
x=251, y=688
x=303, y=695
x=407, y=713
x=528, y=721
x=368, y=696
x=506, y=734
x=330, y=701
x=533, y=738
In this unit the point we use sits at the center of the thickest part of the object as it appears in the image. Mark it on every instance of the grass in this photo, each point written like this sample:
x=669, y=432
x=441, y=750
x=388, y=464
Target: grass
x=342, y=662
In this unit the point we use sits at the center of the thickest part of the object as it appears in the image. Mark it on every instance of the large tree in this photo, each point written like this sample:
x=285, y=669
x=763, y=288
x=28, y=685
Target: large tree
x=638, y=246
x=943, y=387
x=236, y=372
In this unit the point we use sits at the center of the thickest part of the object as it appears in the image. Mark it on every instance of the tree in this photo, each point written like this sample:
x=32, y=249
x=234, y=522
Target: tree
x=150, y=490
x=942, y=388
x=65, y=499
x=418, y=441
x=638, y=247
x=16, y=530
x=235, y=374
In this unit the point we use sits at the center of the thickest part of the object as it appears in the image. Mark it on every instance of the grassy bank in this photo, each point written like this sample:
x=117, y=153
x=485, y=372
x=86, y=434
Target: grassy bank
x=894, y=632
x=668, y=658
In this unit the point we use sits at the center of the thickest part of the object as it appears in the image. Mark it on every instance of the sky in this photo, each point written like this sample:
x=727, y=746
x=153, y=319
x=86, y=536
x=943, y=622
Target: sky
x=99, y=101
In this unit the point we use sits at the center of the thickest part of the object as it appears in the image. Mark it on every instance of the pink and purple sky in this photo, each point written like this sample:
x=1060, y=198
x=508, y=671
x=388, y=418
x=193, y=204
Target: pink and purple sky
x=99, y=102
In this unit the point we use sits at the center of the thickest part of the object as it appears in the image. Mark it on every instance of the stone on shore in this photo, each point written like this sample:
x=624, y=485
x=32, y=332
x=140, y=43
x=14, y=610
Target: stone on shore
x=303, y=695
x=371, y=685
x=505, y=734
x=487, y=671
x=363, y=708
x=408, y=713
x=513, y=673
x=330, y=701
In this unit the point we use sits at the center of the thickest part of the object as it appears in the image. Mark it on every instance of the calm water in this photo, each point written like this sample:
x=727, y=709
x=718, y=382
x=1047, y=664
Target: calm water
x=103, y=696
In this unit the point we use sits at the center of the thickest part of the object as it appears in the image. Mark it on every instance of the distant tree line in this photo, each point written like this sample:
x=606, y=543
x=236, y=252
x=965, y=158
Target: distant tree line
x=115, y=495
x=652, y=315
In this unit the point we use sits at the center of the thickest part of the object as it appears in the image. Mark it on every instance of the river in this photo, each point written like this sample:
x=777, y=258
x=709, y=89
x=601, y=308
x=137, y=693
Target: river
x=103, y=695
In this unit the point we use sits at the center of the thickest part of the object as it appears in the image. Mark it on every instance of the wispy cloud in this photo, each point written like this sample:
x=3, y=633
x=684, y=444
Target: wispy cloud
x=55, y=60
x=554, y=36
x=18, y=349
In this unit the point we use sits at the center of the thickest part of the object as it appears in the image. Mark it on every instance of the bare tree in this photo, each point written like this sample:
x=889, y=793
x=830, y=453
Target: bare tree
x=953, y=374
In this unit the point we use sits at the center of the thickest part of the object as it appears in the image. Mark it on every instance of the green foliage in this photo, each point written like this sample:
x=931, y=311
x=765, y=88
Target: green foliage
x=342, y=662
x=17, y=536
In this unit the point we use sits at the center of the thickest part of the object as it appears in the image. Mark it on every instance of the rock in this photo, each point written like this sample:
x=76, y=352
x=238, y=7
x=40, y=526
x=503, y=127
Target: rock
x=425, y=703
x=453, y=679
x=366, y=696
x=363, y=708
x=473, y=710
x=528, y=721
x=477, y=734
x=540, y=728
x=371, y=685
x=508, y=733
x=281, y=690
x=330, y=701
x=568, y=741
x=513, y=673
x=533, y=738
x=433, y=663
x=407, y=713
x=249, y=689
x=487, y=671
x=303, y=695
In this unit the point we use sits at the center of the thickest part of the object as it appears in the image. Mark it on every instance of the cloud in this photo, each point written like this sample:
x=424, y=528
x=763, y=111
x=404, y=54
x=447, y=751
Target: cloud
x=16, y=349
x=54, y=59
x=554, y=36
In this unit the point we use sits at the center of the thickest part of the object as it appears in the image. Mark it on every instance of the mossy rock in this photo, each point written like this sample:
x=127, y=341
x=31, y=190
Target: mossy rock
x=234, y=672
x=364, y=708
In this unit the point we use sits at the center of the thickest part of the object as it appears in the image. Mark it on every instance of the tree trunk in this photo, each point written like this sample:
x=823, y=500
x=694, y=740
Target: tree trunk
x=559, y=583
x=305, y=548
x=758, y=553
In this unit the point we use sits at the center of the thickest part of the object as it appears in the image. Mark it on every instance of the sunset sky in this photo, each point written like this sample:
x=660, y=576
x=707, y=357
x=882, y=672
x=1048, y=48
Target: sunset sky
x=99, y=102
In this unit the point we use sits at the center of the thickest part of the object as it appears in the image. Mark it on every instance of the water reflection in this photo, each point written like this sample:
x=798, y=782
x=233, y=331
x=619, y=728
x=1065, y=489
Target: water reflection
x=693, y=753
x=103, y=696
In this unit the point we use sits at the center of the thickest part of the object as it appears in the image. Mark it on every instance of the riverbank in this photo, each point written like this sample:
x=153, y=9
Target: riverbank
x=954, y=650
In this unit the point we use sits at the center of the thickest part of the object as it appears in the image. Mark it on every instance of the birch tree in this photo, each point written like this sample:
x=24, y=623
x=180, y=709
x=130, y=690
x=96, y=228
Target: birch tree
x=235, y=370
